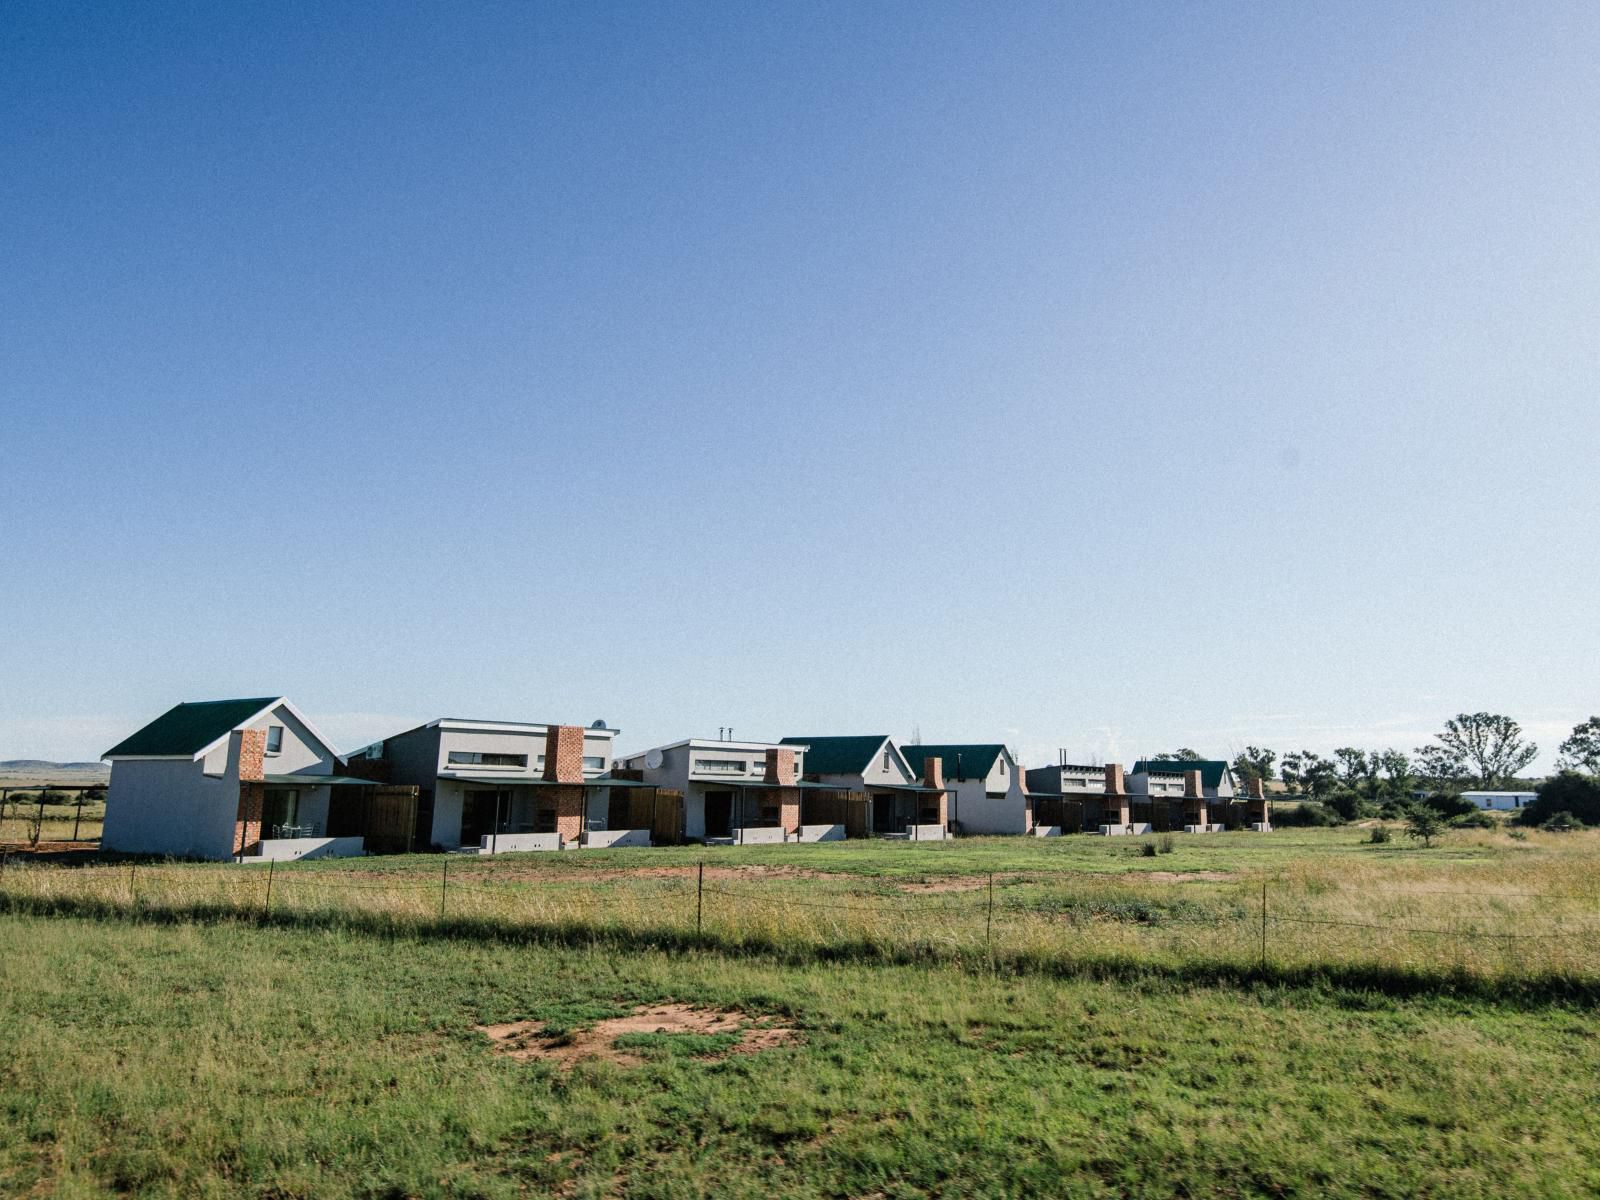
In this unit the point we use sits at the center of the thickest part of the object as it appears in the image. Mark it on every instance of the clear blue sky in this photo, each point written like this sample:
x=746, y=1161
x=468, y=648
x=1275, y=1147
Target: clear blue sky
x=1095, y=376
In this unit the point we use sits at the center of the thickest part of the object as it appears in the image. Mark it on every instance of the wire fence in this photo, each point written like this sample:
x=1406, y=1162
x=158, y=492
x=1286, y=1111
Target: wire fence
x=1489, y=934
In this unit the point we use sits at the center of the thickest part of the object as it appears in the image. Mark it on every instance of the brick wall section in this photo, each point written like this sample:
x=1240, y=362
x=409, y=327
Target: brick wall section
x=933, y=771
x=1256, y=801
x=1194, y=800
x=789, y=808
x=563, y=754
x=1191, y=784
x=247, y=823
x=781, y=770
x=569, y=810
x=252, y=754
x=1114, y=780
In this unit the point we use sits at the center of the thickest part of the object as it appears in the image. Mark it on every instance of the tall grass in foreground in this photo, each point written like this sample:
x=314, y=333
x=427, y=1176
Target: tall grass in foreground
x=1526, y=912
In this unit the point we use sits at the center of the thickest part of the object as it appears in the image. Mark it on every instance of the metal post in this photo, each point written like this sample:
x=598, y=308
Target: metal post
x=444, y=885
x=699, y=898
x=988, y=927
x=1263, y=924
x=494, y=834
x=267, y=907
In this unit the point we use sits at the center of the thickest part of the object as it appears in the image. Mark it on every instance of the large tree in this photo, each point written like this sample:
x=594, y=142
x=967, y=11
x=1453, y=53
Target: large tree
x=1253, y=762
x=1183, y=754
x=1353, y=765
x=1581, y=751
x=1490, y=745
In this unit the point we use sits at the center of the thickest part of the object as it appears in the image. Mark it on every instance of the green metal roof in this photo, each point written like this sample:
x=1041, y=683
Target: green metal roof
x=838, y=755
x=1210, y=769
x=189, y=728
x=976, y=761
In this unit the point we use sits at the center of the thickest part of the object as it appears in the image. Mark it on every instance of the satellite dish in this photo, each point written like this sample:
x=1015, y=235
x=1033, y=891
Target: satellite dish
x=653, y=759
x=599, y=725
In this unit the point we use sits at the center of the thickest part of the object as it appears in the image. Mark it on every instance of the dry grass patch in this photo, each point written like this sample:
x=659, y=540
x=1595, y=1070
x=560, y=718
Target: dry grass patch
x=702, y=1032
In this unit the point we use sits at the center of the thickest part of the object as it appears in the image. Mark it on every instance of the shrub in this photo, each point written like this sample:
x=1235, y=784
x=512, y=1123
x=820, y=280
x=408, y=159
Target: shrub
x=1449, y=804
x=1520, y=835
x=1379, y=835
x=1423, y=823
x=1569, y=792
x=1291, y=815
x=1476, y=819
x=1164, y=843
x=1348, y=804
x=1147, y=849
x=1561, y=822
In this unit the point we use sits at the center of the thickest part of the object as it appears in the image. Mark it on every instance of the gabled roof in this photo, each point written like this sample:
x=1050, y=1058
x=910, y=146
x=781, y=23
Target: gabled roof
x=1211, y=769
x=976, y=760
x=839, y=755
x=186, y=729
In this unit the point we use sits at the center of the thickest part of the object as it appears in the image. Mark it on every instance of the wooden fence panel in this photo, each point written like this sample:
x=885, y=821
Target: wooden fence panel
x=391, y=820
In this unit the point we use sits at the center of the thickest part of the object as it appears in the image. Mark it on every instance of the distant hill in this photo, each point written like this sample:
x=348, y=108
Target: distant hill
x=40, y=764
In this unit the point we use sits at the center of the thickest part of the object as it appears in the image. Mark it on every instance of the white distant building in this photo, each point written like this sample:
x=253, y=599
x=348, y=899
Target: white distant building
x=1501, y=801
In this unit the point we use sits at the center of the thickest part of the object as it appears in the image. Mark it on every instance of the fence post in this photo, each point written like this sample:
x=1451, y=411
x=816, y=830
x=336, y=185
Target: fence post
x=699, y=897
x=444, y=886
x=988, y=925
x=133, y=892
x=1263, y=924
x=266, y=908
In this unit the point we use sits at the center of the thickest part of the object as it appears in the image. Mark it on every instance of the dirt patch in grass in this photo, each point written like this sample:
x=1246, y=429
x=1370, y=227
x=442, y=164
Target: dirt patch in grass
x=956, y=883
x=1186, y=876
x=711, y=1032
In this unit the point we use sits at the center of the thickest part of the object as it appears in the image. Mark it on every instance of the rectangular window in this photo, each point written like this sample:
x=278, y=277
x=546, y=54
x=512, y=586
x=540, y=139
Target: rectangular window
x=888, y=764
x=594, y=762
x=484, y=758
x=274, y=739
x=720, y=766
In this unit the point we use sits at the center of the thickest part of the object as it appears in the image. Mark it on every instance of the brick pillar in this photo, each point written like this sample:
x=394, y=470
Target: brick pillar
x=563, y=754
x=1194, y=800
x=1256, y=802
x=569, y=804
x=1114, y=805
x=780, y=765
x=252, y=791
x=788, y=808
x=933, y=777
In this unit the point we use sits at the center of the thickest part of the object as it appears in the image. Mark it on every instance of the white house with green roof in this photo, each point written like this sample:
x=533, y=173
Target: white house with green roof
x=987, y=792
x=899, y=804
x=220, y=779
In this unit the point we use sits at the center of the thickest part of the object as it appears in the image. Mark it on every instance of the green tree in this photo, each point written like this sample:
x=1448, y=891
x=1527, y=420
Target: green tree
x=1581, y=751
x=1569, y=792
x=1423, y=823
x=1489, y=744
x=1318, y=775
x=1253, y=762
x=1440, y=767
x=1396, y=768
x=1354, y=767
x=1182, y=755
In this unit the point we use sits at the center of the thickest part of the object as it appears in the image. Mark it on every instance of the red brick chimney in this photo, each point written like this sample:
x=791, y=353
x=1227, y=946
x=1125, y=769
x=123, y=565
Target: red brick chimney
x=563, y=754
x=1114, y=785
x=933, y=772
x=781, y=770
x=1191, y=784
x=1255, y=789
x=252, y=753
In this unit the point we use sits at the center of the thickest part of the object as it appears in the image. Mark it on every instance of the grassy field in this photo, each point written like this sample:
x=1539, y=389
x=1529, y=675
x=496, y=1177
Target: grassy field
x=1098, y=1036
x=61, y=821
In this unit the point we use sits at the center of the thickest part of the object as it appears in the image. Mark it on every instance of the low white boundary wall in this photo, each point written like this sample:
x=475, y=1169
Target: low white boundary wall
x=925, y=833
x=597, y=838
x=821, y=833
x=289, y=849
x=510, y=843
x=764, y=836
x=1047, y=831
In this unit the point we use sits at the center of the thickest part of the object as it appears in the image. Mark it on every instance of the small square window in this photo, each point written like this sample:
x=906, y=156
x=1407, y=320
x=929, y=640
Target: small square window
x=274, y=739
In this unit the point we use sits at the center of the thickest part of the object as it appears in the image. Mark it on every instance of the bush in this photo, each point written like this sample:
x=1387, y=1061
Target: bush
x=1164, y=843
x=1423, y=823
x=1147, y=849
x=1520, y=835
x=1449, y=804
x=1476, y=819
x=1561, y=822
x=1576, y=795
x=1304, y=814
x=1348, y=804
x=1379, y=835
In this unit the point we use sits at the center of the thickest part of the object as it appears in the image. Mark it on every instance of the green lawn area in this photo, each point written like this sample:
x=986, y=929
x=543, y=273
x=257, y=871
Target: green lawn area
x=228, y=1060
x=1106, y=1026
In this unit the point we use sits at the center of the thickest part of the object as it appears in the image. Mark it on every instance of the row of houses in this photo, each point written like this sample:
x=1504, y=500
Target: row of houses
x=254, y=779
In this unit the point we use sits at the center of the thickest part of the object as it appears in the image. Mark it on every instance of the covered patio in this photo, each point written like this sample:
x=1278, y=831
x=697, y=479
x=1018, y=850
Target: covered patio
x=500, y=815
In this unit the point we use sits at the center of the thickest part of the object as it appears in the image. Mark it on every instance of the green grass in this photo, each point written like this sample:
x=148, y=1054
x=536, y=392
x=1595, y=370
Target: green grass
x=1102, y=1032
x=228, y=1060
